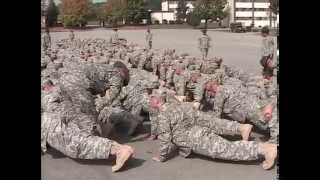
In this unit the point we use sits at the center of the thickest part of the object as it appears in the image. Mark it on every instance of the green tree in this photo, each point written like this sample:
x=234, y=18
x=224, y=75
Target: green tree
x=182, y=10
x=52, y=15
x=75, y=12
x=274, y=6
x=211, y=9
x=136, y=11
x=193, y=19
x=115, y=10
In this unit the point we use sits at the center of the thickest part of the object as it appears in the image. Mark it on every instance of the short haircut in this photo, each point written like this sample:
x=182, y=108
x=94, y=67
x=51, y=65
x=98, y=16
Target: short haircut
x=125, y=70
x=265, y=30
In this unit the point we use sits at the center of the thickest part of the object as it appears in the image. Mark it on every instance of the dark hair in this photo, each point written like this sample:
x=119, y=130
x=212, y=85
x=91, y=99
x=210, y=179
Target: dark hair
x=124, y=69
x=265, y=30
x=47, y=82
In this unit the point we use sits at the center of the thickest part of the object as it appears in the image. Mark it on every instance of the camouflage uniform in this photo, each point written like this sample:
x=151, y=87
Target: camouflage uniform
x=179, y=129
x=46, y=41
x=267, y=53
x=149, y=39
x=62, y=129
x=209, y=66
x=237, y=104
x=204, y=45
x=82, y=81
x=179, y=81
x=114, y=38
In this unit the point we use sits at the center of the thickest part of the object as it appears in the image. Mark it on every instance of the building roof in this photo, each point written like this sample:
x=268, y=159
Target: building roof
x=94, y=1
x=176, y=0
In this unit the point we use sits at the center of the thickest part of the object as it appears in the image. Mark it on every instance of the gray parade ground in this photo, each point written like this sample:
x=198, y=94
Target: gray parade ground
x=237, y=49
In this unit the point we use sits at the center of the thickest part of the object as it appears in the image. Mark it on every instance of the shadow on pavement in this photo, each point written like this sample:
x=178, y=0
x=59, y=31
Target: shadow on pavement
x=193, y=156
x=55, y=154
x=131, y=163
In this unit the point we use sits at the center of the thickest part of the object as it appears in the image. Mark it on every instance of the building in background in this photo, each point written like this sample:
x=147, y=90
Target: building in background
x=254, y=12
x=169, y=11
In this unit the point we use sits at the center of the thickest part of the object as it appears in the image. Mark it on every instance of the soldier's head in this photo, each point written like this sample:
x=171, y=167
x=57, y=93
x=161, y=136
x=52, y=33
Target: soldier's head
x=148, y=29
x=204, y=31
x=195, y=76
x=124, y=71
x=115, y=29
x=155, y=101
x=267, y=109
x=179, y=68
x=218, y=61
x=211, y=87
x=265, y=31
x=47, y=85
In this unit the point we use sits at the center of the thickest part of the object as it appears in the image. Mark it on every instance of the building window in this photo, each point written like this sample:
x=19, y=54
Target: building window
x=243, y=18
x=250, y=9
x=243, y=9
x=265, y=1
x=261, y=9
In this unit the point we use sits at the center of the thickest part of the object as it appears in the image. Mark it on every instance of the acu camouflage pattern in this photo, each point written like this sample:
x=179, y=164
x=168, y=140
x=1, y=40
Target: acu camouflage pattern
x=178, y=128
x=62, y=128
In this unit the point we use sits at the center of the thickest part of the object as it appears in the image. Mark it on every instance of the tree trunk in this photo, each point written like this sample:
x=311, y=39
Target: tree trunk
x=270, y=18
x=206, y=24
x=253, y=12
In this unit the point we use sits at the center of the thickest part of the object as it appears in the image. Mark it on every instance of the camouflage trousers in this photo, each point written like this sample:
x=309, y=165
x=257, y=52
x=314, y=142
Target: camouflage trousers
x=204, y=52
x=116, y=116
x=74, y=142
x=206, y=142
x=149, y=44
x=76, y=90
x=217, y=125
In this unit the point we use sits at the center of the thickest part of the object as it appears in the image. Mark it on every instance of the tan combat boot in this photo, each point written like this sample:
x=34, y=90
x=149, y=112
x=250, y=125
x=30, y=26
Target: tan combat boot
x=269, y=151
x=122, y=153
x=245, y=130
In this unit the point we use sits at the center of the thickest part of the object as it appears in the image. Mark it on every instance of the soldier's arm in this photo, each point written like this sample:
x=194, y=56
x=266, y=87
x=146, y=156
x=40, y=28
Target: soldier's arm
x=271, y=46
x=218, y=103
x=115, y=86
x=154, y=123
x=198, y=93
x=273, y=125
x=165, y=137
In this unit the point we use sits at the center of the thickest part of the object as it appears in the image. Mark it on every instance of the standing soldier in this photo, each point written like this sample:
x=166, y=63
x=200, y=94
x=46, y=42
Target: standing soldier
x=149, y=38
x=204, y=43
x=46, y=40
x=115, y=37
x=267, y=51
x=71, y=35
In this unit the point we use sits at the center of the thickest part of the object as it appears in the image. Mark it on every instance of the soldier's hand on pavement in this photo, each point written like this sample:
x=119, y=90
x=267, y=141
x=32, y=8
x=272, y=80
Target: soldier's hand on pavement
x=103, y=115
x=99, y=102
x=196, y=105
x=152, y=137
x=156, y=158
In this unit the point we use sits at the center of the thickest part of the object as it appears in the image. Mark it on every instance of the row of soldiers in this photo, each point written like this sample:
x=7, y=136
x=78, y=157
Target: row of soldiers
x=89, y=86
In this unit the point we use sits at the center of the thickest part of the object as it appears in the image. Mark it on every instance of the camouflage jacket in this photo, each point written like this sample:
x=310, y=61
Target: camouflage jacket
x=228, y=98
x=267, y=46
x=97, y=78
x=174, y=123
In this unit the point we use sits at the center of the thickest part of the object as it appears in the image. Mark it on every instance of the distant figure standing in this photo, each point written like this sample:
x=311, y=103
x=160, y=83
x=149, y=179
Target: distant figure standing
x=115, y=37
x=71, y=35
x=267, y=51
x=149, y=38
x=46, y=40
x=204, y=43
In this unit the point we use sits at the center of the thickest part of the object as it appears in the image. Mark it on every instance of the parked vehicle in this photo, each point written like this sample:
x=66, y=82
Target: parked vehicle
x=237, y=27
